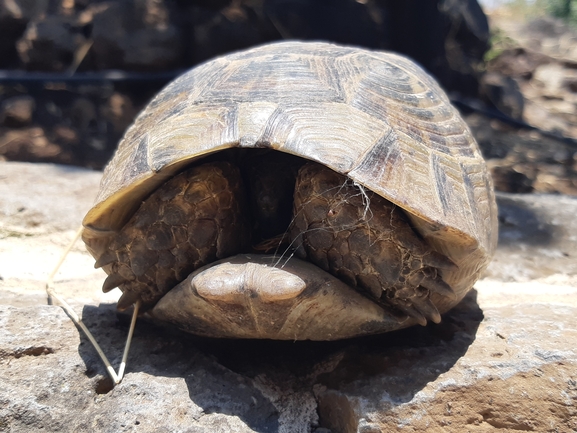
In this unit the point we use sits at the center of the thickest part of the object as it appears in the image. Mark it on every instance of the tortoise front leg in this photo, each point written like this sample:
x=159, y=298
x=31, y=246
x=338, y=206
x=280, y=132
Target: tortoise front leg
x=367, y=242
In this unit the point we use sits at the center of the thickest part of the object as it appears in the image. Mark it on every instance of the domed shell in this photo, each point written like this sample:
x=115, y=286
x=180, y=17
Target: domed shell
x=376, y=117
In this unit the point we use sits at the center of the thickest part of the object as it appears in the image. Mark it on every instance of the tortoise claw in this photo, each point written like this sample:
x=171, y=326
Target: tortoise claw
x=112, y=281
x=105, y=259
x=420, y=309
x=427, y=309
x=126, y=300
x=439, y=261
x=412, y=312
x=439, y=286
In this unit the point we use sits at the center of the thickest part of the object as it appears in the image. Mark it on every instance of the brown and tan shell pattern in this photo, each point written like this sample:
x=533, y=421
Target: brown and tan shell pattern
x=373, y=116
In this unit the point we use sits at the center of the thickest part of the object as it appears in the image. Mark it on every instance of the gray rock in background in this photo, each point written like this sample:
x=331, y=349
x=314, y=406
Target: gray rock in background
x=504, y=358
x=50, y=43
x=537, y=237
x=141, y=36
x=14, y=17
x=17, y=111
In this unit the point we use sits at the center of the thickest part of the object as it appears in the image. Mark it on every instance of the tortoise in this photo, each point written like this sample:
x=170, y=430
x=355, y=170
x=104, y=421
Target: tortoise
x=295, y=191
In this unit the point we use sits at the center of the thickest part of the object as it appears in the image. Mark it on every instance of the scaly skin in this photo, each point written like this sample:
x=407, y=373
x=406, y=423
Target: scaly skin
x=201, y=216
x=365, y=241
x=194, y=219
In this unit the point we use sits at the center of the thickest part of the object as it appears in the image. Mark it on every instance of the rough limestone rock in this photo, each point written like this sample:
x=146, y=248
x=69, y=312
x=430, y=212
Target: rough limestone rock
x=504, y=359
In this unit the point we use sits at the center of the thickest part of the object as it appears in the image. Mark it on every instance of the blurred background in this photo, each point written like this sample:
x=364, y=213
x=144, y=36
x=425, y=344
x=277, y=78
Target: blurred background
x=74, y=73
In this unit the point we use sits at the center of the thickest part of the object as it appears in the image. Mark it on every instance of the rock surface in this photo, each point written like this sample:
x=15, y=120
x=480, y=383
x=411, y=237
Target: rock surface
x=523, y=161
x=531, y=77
x=504, y=358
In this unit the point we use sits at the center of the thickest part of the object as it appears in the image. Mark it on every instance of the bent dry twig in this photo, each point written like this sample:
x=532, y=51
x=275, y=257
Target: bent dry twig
x=53, y=294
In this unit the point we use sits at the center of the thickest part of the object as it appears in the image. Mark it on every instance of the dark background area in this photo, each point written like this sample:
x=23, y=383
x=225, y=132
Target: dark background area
x=74, y=73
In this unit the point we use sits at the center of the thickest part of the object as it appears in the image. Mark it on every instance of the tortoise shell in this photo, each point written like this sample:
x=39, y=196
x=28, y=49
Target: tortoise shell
x=375, y=117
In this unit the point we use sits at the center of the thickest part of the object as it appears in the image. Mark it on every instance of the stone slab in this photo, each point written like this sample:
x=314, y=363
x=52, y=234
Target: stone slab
x=504, y=358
